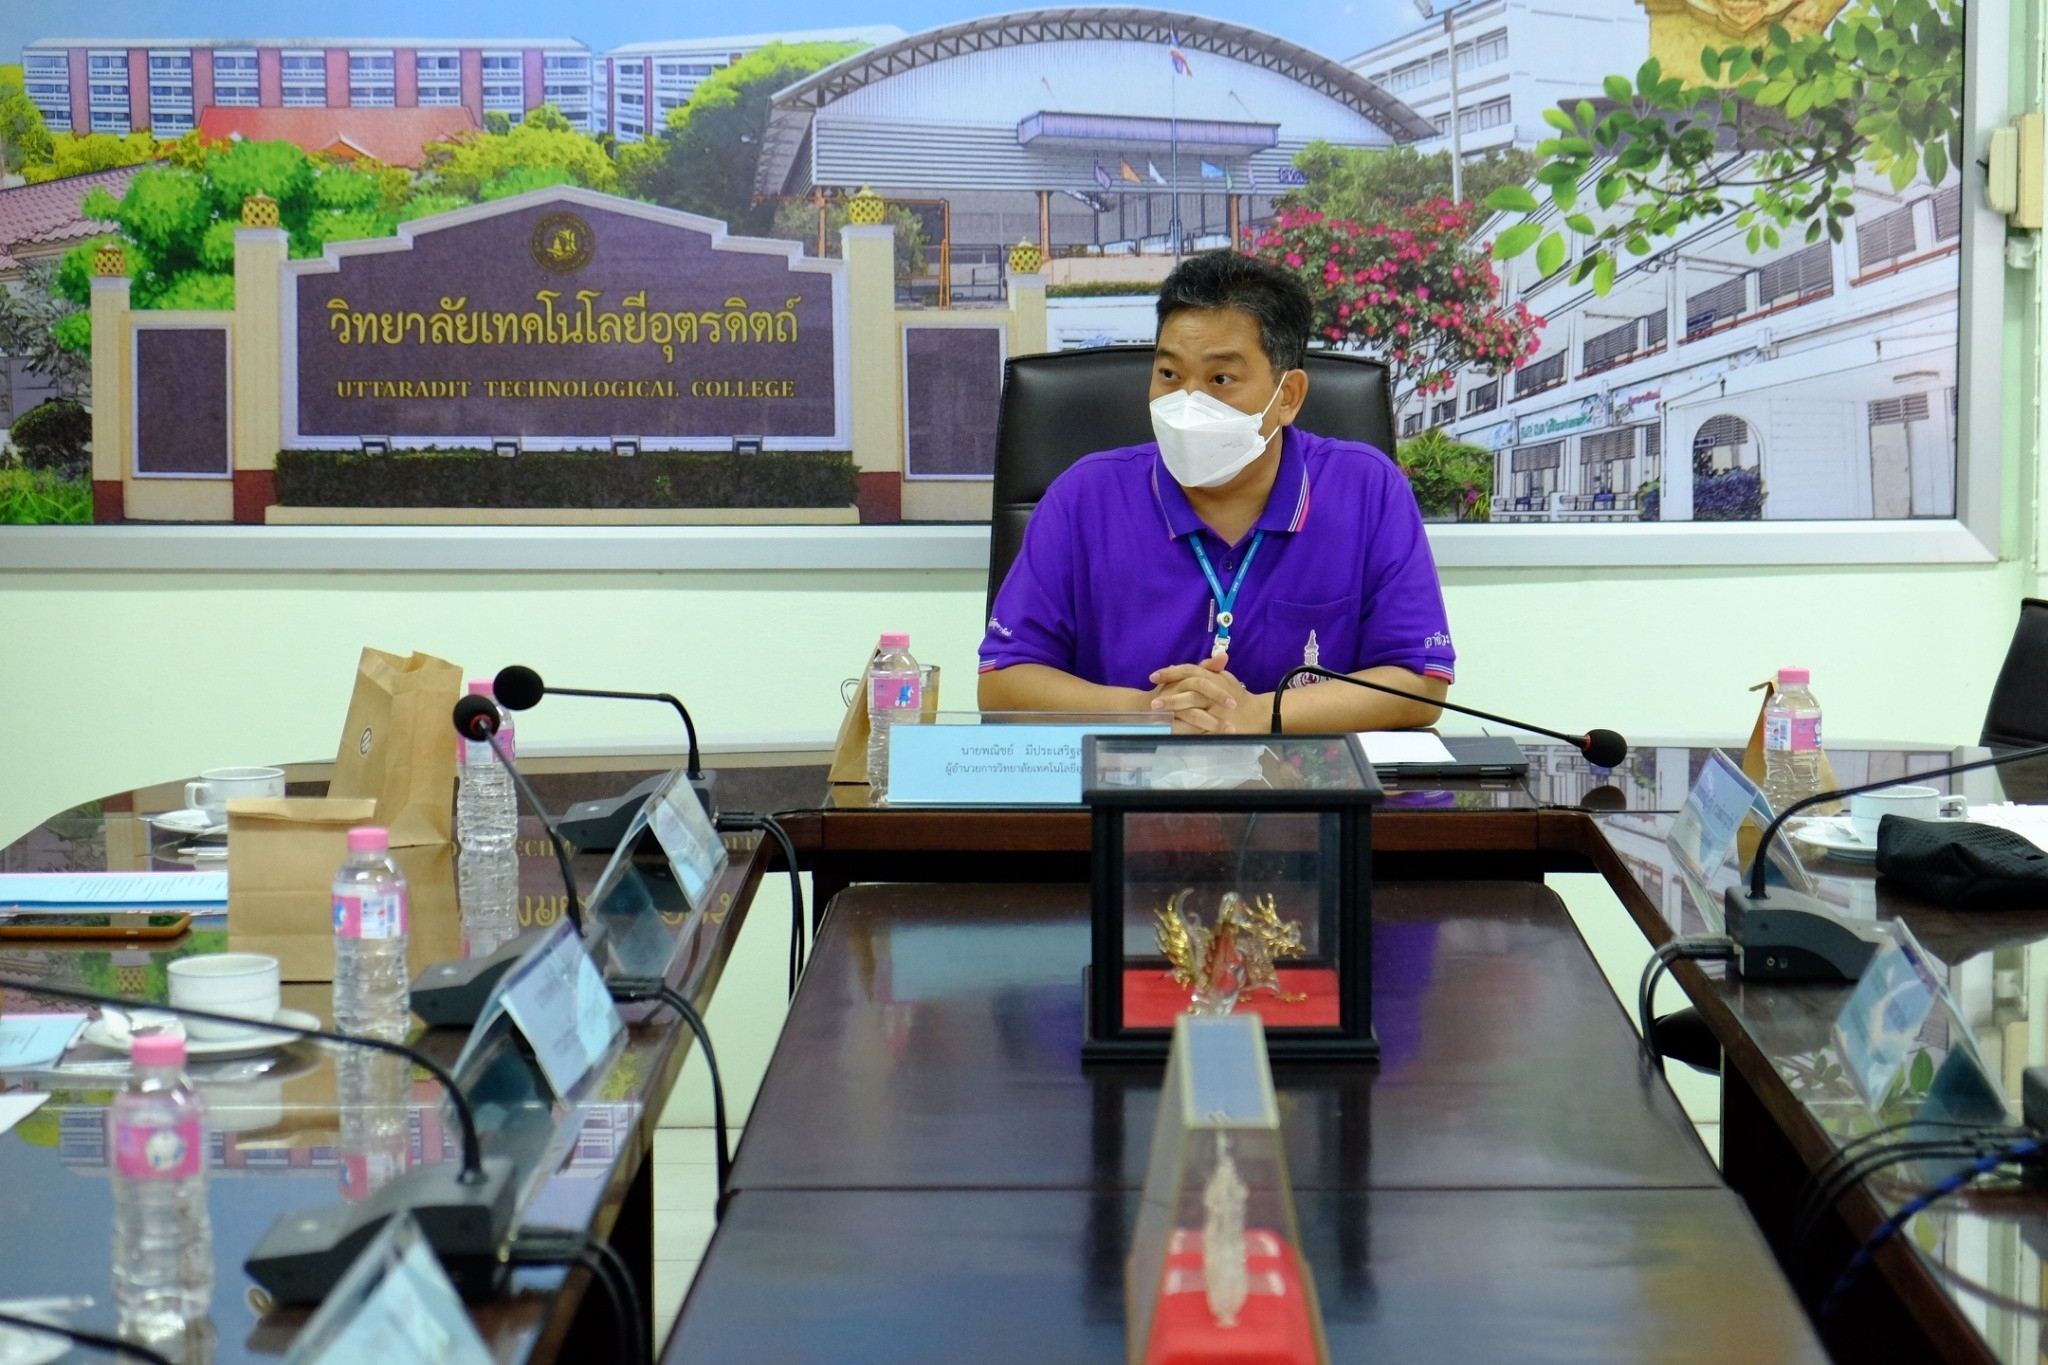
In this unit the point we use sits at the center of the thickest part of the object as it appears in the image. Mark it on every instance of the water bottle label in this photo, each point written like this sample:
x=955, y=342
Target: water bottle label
x=478, y=752
x=1791, y=733
x=158, y=1153
x=379, y=916
x=895, y=694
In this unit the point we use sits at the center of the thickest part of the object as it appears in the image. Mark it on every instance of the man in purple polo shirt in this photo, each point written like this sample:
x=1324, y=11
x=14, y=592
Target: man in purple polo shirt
x=1188, y=574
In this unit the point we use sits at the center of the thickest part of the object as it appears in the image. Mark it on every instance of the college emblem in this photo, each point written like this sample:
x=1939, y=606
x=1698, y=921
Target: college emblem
x=561, y=243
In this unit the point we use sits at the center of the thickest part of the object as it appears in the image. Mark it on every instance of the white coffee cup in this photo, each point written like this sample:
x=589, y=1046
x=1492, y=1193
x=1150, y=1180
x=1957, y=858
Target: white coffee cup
x=1918, y=803
x=218, y=786
x=243, y=984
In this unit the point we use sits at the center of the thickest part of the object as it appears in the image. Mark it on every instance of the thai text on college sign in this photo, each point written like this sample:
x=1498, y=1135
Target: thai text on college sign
x=566, y=317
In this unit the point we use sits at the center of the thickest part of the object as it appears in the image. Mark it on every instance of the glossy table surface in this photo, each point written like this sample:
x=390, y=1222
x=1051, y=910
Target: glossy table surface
x=930, y=1173
x=1970, y=1268
x=282, y=1136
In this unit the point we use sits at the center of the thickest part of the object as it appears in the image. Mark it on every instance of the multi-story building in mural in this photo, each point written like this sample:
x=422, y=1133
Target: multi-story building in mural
x=641, y=84
x=123, y=85
x=1515, y=59
x=1822, y=374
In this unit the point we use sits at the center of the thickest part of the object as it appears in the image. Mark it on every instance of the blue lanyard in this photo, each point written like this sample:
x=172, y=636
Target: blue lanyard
x=1225, y=601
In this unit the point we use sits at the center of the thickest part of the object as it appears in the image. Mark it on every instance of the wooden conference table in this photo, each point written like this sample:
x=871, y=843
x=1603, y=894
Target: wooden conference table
x=928, y=1171
x=282, y=1140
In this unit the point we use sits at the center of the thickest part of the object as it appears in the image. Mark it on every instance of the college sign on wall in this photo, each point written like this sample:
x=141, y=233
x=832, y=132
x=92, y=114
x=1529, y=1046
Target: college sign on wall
x=566, y=317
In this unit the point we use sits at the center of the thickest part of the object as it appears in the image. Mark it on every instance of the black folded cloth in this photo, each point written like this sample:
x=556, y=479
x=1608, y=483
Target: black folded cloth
x=1963, y=865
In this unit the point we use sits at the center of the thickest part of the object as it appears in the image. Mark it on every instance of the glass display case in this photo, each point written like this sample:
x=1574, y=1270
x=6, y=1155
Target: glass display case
x=1230, y=874
x=1216, y=1272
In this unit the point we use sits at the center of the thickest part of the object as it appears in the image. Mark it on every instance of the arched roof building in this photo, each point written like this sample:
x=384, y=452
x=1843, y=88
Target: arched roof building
x=1111, y=109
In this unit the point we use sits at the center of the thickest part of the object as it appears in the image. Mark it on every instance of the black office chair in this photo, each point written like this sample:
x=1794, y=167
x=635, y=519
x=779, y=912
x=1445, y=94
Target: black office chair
x=1062, y=405
x=2018, y=715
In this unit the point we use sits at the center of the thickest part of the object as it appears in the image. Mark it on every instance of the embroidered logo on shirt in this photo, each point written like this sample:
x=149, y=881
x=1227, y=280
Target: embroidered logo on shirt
x=999, y=628
x=1440, y=640
x=1311, y=657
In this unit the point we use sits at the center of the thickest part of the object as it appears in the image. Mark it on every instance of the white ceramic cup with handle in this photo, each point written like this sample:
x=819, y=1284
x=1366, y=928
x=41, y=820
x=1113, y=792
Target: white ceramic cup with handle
x=1917, y=803
x=244, y=984
x=218, y=786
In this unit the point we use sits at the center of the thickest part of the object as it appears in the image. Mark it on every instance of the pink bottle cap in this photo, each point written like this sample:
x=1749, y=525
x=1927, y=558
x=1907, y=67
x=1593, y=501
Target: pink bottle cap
x=1794, y=677
x=481, y=687
x=895, y=639
x=369, y=839
x=158, y=1049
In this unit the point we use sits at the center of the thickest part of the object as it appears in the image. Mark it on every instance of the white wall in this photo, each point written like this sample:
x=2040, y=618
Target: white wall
x=112, y=680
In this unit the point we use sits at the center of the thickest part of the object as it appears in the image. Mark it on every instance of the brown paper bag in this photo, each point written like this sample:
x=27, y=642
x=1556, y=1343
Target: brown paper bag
x=398, y=745
x=850, y=749
x=282, y=856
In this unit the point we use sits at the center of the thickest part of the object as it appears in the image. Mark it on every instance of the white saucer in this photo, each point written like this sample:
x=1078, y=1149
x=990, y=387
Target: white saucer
x=191, y=821
x=257, y=1039
x=1835, y=835
x=18, y=1347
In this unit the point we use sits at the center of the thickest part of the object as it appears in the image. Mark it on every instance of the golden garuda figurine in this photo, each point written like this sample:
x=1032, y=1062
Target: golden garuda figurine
x=1220, y=964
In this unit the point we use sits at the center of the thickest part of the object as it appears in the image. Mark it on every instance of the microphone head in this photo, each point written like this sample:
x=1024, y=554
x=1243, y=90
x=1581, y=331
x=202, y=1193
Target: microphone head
x=1604, y=748
x=476, y=718
x=518, y=688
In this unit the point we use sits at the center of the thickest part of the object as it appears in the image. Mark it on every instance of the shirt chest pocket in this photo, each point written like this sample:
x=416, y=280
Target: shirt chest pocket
x=1321, y=633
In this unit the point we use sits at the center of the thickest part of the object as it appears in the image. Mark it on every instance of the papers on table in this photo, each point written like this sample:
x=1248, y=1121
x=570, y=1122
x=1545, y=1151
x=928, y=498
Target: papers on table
x=73, y=889
x=15, y=1108
x=1392, y=748
x=34, y=1040
x=2029, y=822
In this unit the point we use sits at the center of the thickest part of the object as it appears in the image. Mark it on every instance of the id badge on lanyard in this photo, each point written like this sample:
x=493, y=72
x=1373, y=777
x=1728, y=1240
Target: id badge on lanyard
x=1224, y=602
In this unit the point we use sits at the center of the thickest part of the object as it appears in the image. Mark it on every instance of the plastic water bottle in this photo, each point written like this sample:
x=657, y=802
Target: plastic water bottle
x=1792, y=745
x=895, y=692
x=372, y=986
x=163, y=1238
x=487, y=834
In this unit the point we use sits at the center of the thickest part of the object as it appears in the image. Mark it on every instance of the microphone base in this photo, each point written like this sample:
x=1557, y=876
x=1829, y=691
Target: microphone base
x=1788, y=936
x=452, y=994
x=306, y=1252
x=597, y=826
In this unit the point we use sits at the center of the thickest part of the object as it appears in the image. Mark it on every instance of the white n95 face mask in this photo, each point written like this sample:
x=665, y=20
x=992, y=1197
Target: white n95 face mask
x=1205, y=442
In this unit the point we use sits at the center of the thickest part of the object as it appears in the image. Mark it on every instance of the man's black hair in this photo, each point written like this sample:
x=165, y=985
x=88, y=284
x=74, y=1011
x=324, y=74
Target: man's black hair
x=1231, y=279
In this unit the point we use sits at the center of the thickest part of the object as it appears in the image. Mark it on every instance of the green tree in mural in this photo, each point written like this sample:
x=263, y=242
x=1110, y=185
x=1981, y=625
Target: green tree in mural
x=541, y=150
x=704, y=160
x=24, y=138
x=178, y=225
x=1880, y=88
x=1373, y=184
x=798, y=219
x=82, y=153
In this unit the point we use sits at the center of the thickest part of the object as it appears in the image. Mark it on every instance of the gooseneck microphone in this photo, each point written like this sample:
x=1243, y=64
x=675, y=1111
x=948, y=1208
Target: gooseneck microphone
x=519, y=688
x=1794, y=937
x=465, y=1217
x=477, y=719
x=1602, y=748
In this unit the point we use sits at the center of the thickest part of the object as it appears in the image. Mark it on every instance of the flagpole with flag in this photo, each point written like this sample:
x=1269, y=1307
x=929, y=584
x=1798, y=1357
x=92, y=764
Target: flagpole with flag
x=1181, y=67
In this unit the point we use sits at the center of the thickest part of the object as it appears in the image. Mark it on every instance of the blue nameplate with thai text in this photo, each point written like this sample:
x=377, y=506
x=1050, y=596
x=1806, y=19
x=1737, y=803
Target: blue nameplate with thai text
x=991, y=765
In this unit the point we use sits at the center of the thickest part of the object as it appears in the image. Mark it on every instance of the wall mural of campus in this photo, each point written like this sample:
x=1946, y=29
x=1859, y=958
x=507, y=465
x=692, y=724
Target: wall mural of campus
x=1638, y=261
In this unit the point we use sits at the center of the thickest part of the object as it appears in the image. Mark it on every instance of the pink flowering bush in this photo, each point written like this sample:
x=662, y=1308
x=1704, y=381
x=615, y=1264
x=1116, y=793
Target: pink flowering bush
x=1412, y=292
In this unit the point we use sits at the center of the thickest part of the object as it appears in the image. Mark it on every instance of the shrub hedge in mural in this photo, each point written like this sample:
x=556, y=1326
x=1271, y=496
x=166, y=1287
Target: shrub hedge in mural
x=55, y=436
x=1450, y=478
x=1731, y=495
x=565, y=479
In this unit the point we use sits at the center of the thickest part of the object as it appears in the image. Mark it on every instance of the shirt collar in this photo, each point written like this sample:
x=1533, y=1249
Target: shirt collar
x=1286, y=506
